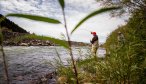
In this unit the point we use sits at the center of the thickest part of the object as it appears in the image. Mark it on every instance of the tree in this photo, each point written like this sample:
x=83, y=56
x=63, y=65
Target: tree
x=128, y=5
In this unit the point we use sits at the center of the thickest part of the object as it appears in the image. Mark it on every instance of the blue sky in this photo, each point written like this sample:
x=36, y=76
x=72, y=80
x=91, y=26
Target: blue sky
x=75, y=10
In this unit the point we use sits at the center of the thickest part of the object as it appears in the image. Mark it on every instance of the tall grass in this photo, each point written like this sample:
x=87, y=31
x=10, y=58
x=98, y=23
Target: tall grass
x=3, y=54
x=117, y=68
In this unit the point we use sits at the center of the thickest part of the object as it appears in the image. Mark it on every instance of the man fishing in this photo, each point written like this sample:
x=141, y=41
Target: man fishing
x=94, y=43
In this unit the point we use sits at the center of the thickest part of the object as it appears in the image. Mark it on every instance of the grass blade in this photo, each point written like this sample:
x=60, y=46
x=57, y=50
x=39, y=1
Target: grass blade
x=102, y=10
x=61, y=2
x=34, y=17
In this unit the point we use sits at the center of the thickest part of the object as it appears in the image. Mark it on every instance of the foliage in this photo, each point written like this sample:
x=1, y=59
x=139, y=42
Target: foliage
x=128, y=5
x=135, y=46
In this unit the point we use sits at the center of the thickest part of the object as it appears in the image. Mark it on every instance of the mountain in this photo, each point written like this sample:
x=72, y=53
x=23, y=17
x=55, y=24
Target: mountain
x=6, y=23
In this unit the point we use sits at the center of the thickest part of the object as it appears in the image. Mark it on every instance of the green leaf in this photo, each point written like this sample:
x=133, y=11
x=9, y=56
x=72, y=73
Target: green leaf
x=62, y=3
x=102, y=10
x=35, y=17
x=54, y=40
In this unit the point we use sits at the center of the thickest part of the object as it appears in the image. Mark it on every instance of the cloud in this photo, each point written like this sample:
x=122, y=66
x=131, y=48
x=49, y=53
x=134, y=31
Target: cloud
x=75, y=11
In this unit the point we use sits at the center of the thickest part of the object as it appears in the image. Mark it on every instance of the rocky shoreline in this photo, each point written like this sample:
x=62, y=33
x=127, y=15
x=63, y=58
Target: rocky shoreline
x=29, y=42
x=9, y=40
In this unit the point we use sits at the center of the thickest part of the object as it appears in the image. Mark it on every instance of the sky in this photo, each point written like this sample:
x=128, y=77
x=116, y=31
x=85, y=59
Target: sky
x=75, y=11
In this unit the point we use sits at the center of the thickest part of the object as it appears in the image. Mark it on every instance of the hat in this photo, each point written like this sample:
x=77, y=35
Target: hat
x=94, y=33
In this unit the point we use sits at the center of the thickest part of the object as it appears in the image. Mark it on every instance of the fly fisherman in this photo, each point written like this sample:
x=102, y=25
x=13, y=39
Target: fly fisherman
x=94, y=43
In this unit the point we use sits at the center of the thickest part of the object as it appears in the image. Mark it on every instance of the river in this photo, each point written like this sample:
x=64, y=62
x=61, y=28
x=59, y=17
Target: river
x=28, y=63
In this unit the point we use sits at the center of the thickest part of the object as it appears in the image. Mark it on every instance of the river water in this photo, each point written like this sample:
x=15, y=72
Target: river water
x=28, y=63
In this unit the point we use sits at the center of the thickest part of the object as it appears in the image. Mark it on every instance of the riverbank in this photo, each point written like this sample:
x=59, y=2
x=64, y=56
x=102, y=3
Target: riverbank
x=16, y=39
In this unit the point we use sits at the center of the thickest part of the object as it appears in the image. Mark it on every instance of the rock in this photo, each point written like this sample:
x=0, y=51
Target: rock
x=88, y=83
x=19, y=78
x=23, y=44
x=44, y=79
x=62, y=80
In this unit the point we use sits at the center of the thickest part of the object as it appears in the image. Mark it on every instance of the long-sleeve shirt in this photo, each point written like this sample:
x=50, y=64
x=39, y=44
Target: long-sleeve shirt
x=95, y=38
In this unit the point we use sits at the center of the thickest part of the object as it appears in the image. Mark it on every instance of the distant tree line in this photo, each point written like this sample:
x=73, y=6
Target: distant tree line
x=11, y=25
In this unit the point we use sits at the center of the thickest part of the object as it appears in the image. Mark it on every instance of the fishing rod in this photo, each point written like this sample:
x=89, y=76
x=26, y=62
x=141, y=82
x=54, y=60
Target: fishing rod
x=87, y=30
